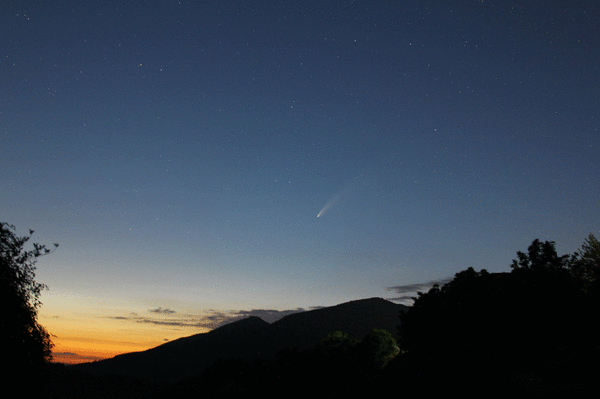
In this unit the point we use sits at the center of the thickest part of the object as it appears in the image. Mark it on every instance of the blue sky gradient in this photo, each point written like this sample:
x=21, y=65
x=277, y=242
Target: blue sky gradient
x=180, y=151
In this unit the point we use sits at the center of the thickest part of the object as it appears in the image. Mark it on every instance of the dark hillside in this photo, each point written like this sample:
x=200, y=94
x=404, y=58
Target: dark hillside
x=356, y=318
x=250, y=338
x=190, y=355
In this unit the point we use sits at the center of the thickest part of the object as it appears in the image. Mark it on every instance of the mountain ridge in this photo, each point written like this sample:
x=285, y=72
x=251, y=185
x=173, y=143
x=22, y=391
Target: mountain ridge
x=250, y=338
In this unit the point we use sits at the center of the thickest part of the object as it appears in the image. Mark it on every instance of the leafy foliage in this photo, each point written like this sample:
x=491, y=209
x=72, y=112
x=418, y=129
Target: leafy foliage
x=339, y=367
x=28, y=343
x=377, y=349
x=541, y=255
x=586, y=268
x=338, y=341
x=502, y=328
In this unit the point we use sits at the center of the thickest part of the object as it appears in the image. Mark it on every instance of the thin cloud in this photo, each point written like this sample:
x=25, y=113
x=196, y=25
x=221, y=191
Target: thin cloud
x=178, y=322
x=218, y=318
x=419, y=287
x=73, y=358
x=210, y=320
x=402, y=290
x=163, y=311
x=405, y=299
x=269, y=315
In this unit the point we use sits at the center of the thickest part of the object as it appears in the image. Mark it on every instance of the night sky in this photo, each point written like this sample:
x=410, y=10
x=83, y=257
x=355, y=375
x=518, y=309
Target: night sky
x=202, y=161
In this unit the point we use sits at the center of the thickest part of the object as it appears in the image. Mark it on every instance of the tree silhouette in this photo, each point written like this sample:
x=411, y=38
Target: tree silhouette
x=541, y=255
x=26, y=342
x=377, y=349
x=502, y=329
x=586, y=268
x=338, y=342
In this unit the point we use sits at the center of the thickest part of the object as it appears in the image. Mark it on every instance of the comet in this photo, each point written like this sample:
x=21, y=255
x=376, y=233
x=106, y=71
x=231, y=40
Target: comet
x=323, y=210
x=347, y=191
x=328, y=205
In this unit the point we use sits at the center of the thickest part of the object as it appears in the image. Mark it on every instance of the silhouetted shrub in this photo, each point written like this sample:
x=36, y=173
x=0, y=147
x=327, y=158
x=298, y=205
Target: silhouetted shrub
x=27, y=345
x=500, y=329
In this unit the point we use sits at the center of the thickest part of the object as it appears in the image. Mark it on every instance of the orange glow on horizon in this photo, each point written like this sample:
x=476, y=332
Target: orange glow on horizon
x=73, y=350
x=84, y=347
x=89, y=329
x=86, y=341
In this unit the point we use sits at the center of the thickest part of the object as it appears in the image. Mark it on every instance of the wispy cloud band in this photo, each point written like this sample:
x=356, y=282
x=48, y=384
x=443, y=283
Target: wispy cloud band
x=404, y=290
x=210, y=319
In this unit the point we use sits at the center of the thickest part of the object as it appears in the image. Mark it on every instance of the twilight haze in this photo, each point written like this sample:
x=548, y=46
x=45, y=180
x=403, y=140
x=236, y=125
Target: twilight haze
x=181, y=151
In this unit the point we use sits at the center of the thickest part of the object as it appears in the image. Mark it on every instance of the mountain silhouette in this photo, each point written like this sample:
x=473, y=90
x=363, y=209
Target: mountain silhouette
x=250, y=338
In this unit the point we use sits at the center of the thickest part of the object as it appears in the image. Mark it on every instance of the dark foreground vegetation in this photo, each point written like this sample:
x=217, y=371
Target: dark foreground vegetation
x=530, y=332
x=26, y=344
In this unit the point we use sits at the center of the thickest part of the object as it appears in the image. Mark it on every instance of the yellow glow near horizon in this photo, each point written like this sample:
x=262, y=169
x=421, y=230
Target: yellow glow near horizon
x=84, y=329
x=101, y=338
